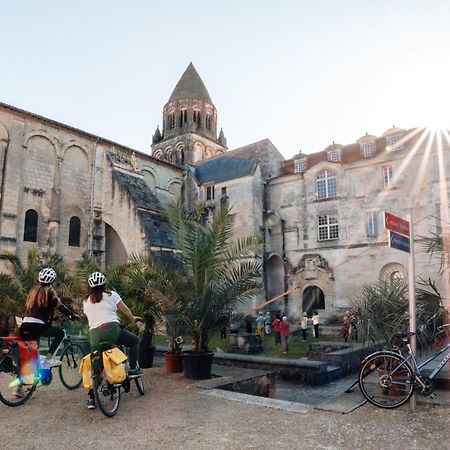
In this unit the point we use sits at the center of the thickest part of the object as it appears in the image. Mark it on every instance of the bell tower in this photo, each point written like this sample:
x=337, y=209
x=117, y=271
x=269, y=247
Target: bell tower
x=189, y=130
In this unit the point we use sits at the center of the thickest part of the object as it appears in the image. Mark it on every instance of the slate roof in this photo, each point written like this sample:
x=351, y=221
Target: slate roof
x=156, y=230
x=224, y=168
x=190, y=86
x=138, y=190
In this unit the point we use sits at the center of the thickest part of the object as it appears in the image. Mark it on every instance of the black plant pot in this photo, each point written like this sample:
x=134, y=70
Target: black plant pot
x=197, y=365
x=146, y=355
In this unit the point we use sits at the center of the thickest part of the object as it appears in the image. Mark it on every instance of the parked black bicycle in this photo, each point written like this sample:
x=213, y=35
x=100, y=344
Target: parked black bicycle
x=387, y=379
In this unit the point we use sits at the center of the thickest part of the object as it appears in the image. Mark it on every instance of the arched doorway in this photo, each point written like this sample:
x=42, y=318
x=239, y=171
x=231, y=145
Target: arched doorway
x=313, y=298
x=275, y=281
x=115, y=252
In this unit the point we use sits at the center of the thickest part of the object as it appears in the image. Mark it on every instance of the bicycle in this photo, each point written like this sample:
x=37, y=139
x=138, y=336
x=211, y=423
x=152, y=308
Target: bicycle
x=16, y=388
x=107, y=395
x=387, y=379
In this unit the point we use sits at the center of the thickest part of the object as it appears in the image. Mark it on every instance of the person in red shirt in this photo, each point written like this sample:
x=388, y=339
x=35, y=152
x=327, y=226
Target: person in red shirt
x=285, y=331
x=276, y=330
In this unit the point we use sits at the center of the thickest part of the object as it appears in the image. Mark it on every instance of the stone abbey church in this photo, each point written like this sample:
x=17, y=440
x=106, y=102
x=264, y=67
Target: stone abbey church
x=67, y=191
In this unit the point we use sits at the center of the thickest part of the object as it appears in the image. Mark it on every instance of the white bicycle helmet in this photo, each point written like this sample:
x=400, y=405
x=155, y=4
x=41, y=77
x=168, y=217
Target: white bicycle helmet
x=96, y=279
x=47, y=275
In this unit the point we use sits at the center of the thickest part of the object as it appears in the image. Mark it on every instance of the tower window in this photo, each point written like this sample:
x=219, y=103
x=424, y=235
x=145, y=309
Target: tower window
x=74, y=232
x=197, y=117
x=183, y=117
x=208, y=122
x=31, y=226
x=171, y=120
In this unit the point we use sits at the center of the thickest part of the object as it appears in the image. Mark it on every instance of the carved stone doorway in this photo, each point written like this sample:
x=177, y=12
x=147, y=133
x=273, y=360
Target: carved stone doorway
x=313, y=298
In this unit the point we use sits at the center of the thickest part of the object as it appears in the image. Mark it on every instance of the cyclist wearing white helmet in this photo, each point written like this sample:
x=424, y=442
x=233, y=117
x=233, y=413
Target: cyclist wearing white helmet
x=101, y=308
x=39, y=311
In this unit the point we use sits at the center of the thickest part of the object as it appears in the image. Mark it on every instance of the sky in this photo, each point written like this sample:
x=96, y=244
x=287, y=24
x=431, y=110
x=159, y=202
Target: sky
x=300, y=73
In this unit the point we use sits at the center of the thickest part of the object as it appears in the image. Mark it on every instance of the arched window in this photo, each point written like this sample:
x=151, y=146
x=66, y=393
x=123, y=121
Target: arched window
x=325, y=185
x=197, y=117
x=183, y=117
x=31, y=226
x=74, y=232
x=171, y=120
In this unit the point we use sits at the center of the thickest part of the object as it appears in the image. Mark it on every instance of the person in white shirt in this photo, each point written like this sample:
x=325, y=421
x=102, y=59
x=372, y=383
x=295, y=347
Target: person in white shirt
x=100, y=308
x=304, y=325
x=315, y=319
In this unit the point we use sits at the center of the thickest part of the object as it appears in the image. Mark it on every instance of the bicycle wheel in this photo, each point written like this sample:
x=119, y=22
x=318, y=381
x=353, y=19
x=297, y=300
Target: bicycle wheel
x=69, y=370
x=107, y=396
x=386, y=380
x=13, y=390
x=140, y=385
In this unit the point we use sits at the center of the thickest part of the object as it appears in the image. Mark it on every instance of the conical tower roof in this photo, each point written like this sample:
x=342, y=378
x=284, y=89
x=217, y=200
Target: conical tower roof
x=190, y=86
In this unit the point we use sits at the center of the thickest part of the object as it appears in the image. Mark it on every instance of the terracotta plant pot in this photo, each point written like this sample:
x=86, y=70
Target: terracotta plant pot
x=173, y=362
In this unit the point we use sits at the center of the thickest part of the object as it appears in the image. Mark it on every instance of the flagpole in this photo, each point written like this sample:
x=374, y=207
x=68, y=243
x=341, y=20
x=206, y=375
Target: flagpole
x=412, y=297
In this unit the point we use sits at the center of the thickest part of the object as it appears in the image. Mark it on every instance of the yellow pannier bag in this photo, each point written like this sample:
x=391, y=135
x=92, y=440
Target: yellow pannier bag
x=86, y=371
x=113, y=365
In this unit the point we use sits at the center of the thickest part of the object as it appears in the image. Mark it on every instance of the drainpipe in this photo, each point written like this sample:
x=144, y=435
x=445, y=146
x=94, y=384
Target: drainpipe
x=91, y=215
x=283, y=248
x=3, y=184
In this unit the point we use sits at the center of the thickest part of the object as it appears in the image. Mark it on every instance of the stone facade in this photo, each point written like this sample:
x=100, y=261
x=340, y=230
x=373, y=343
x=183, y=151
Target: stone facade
x=59, y=174
x=66, y=191
x=331, y=206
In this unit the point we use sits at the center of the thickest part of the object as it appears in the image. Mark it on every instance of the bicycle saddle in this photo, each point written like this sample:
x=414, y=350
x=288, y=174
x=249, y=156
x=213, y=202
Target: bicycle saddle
x=105, y=345
x=27, y=336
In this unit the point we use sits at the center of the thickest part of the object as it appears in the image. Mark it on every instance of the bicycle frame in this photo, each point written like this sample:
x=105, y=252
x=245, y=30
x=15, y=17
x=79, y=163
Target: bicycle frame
x=440, y=365
x=410, y=359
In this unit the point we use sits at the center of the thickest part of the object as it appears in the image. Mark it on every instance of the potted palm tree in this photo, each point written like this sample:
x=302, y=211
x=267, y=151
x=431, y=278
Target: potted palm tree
x=218, y=274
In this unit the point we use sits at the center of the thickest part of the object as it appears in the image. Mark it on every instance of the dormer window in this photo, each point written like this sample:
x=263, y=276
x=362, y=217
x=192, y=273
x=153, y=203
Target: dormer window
x=299, y=165
x=369, y=150
x=394, y=143
x=334, y=155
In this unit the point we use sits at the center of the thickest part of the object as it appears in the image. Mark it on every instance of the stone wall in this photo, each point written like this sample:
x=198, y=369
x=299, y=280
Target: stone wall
x=61, y=172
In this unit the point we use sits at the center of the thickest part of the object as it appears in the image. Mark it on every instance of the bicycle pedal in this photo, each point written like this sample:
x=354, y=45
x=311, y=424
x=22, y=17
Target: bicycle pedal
x=432, y=396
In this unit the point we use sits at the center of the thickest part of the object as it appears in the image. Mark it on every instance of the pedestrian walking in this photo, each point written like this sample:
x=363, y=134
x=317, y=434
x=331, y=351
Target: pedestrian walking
x=276, y=330
x=260, y=325
x=248, y=324
x=285, y=331
x=268, y=324
x=304, y=326
x=315, y=319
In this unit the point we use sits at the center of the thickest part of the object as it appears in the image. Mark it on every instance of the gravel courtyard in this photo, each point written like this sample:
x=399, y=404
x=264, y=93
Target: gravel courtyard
x=176, y=414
